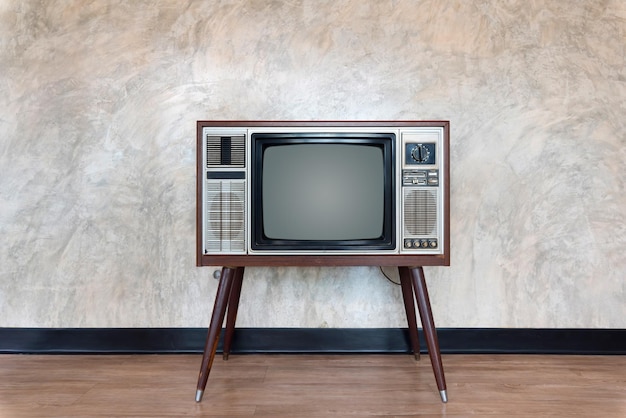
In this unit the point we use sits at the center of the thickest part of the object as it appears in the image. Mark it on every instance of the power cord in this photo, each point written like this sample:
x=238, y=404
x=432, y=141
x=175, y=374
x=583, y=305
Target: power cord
x=387, y=277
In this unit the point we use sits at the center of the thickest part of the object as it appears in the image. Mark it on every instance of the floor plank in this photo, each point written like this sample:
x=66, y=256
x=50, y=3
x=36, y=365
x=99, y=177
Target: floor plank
x=311, y=386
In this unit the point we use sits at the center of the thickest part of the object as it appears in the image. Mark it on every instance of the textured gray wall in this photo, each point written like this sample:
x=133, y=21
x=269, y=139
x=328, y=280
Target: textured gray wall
x=98, y=104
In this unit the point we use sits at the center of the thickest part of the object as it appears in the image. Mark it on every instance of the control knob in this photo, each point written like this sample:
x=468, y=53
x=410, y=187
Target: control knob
x=420, y=153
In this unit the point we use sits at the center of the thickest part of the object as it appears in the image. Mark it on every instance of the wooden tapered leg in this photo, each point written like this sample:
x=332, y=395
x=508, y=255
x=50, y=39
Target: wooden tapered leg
x=409, y=307
x=217, y=318
x=231, y=315
x=428, y=324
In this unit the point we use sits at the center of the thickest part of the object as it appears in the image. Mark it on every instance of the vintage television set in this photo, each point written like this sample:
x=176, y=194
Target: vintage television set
x=331, y=193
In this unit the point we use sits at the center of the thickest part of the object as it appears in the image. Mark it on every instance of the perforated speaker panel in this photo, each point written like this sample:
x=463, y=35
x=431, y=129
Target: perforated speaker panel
x=420, y=212
x=225, y=150
x=225, y=211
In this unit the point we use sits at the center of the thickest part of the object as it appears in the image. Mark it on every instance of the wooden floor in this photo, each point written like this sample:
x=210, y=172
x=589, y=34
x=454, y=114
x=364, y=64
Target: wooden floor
x=312, y=386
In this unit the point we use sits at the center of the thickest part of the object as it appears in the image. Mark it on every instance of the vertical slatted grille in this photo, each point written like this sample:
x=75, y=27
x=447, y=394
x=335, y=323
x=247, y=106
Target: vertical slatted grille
x=420, y=212
x=225, y=216
x=225, y=150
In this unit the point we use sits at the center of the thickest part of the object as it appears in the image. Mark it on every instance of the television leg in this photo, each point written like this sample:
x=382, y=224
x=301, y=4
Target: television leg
x=409, y=307
x=428, y=324
x=231, y=315
x=217, y=318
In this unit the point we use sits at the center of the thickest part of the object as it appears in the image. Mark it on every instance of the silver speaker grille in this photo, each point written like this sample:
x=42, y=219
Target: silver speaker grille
x=420, y=212
x=225, y=212
x=225, y=151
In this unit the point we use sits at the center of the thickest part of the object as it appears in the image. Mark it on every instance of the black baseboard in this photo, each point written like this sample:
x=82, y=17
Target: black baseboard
x=311, y=340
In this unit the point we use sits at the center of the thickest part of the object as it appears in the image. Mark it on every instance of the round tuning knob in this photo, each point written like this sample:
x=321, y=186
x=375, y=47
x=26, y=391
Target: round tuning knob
x=420, y=153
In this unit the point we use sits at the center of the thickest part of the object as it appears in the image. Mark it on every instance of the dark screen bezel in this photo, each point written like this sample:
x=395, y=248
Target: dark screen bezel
x=262, y=141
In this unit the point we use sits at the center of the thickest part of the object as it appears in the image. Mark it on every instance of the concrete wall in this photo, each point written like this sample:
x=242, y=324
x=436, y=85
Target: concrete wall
x=98, y=104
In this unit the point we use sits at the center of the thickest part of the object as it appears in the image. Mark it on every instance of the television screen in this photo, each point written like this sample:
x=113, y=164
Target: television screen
x=323, y=192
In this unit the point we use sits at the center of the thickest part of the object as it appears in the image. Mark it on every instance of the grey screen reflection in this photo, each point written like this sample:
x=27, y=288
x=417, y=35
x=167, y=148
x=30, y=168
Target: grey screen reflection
x=323, y=192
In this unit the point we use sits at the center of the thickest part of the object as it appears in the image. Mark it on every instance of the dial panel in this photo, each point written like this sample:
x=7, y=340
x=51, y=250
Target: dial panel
x=420, y=153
